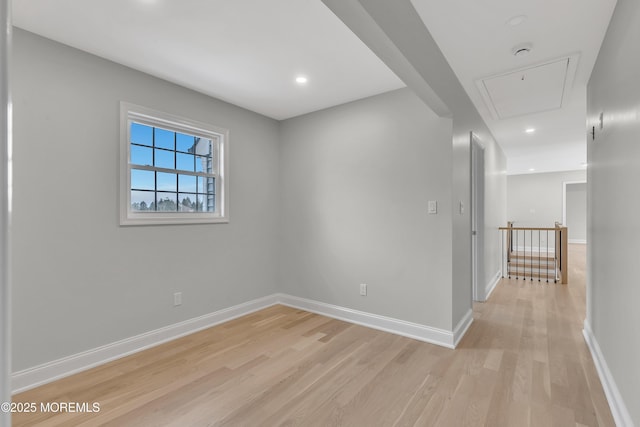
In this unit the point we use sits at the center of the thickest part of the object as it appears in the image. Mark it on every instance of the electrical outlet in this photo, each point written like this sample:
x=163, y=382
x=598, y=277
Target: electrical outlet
x=177, y=299
x=363, y=289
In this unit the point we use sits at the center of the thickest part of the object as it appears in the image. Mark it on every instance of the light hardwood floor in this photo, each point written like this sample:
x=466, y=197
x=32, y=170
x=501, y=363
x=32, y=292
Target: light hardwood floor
x=523, y=362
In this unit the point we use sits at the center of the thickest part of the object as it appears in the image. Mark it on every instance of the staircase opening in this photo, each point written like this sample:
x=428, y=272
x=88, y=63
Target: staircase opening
x=535, y=253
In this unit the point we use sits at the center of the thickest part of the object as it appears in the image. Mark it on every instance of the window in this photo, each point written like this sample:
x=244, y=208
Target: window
x=172, y=169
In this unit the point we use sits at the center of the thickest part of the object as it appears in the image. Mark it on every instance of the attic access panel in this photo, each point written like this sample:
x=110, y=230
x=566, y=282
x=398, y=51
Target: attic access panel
x=530, y=90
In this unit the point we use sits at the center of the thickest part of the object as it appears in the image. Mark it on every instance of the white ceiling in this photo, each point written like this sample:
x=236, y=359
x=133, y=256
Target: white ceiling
x=246, y=52
x=477, y=41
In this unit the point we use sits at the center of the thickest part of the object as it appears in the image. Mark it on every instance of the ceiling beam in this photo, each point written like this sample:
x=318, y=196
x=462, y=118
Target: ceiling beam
x=395, y=32
x=364, y=20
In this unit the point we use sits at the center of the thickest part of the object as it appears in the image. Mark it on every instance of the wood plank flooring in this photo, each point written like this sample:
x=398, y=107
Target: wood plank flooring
x=523, y=362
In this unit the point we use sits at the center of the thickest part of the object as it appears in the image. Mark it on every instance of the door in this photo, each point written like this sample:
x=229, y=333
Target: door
x=477, y=219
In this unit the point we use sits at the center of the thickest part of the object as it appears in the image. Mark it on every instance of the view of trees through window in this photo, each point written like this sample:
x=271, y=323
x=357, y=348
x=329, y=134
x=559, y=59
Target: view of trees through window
x=168, y=205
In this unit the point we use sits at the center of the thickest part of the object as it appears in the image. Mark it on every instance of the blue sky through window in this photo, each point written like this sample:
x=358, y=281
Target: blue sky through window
x=184, y=142
x=141, y=134
x=165, y=139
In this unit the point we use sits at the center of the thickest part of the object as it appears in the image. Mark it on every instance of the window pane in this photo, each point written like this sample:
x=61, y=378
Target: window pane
x=142, y=180
x=165, y=139
x=209, y=202
x=141, y=134
x=166, y=181
x=185, y=162
x=210, y=186
x=202, y=147
x=141, y=155
x=208, y=198
x=165, y=159
x=187, y=202
x=187, y=183
x=184, y=142
x=203, y=164
x=167, y=202
x=200, y=202
x=142, y=201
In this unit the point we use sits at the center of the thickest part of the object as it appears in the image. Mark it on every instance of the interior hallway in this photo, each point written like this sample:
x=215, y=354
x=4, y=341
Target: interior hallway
x=523, y=362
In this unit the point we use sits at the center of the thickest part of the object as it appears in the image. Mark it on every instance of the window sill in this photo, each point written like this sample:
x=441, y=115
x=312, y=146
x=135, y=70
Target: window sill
x=170, y=219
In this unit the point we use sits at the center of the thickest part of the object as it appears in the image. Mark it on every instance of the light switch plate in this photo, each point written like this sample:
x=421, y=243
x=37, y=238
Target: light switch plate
x=433, y=207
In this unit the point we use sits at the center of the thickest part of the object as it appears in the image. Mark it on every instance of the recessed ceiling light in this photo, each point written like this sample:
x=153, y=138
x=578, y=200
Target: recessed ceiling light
x=516, y=20
x=532, y=169
x=301, y=80
x=530, y=130
x=583, y=164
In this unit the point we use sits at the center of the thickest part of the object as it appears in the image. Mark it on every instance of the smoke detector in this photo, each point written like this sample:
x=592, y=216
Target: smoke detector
x=521, y=50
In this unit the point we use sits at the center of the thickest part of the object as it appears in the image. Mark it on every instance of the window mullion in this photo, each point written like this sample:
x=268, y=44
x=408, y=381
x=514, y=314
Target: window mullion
x=175, y=166
x=178, y=171
x=155, y=174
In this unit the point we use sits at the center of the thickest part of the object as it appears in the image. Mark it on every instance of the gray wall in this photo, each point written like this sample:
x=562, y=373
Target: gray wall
x=576, y=212
x=535, y=200
x=613, y=293
x=356, y=180
x=80, y=280
x=397, y=34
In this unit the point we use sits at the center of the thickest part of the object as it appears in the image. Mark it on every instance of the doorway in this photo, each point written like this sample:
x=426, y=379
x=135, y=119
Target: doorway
x=574, y=210
x=477, y=219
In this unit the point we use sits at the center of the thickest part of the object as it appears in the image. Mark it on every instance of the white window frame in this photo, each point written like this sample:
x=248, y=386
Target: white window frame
x=219, y=136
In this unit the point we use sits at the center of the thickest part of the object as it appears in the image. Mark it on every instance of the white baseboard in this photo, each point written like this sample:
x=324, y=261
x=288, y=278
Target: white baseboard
x=388, y=324
x=492, y=285
x=577, y=241
x=462, y=327
x=618, y=409
x=51, y=371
